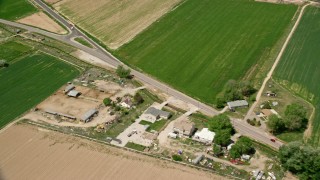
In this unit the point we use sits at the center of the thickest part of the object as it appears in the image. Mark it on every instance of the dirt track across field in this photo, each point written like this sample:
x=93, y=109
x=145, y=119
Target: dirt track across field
x=43, y=21
x=114, y=22
x=28, y=152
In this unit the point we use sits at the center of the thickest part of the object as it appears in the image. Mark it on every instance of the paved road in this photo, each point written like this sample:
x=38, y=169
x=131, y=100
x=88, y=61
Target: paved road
x=99, y=52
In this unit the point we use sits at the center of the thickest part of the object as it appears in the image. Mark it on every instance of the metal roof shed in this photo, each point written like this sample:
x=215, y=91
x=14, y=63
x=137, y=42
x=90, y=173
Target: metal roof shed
x=86, y=117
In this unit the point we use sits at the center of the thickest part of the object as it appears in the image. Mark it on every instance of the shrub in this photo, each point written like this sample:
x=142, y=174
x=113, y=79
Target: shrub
x=176, y=157
x=107, y=101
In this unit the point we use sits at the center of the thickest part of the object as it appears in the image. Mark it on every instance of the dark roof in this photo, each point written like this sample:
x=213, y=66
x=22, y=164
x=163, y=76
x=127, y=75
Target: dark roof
x=157, y=112
x=89, y=114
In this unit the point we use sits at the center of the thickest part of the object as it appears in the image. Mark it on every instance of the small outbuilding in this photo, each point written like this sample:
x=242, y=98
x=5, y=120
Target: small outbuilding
x=245, y=157
x=74, y=93
x=172, y=135
x=271, y=94
x=88, y=115
x=198, y=159
x=205, y=136
x=69, y=88
x=237, y=104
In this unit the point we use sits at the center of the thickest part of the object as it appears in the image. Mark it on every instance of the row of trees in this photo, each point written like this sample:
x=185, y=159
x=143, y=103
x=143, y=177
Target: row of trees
x=294, y=120
x=301, y=159
x=235, y=90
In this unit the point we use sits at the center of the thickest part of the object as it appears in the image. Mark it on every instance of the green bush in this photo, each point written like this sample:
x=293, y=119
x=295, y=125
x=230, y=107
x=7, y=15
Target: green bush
x=107, y=101
x=176, y=157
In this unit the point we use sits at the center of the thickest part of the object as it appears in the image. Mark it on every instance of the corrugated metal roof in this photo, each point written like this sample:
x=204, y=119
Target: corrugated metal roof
x=73, y=93
x=239, y=103
x=89, y=114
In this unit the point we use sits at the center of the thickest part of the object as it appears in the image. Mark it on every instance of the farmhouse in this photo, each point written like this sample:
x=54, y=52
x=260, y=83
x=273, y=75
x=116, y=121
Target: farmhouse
x=88, y=115
x=237, y=104
x=74, y=93
x=69, y=88
x=204, y=136
x=184, y=127
x=152, y=114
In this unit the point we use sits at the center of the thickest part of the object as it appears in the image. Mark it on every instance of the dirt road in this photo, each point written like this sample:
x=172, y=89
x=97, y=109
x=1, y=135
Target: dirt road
x=250, y=112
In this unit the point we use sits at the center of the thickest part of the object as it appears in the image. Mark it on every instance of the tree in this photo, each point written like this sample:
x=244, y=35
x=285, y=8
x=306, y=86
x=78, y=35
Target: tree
x=222, y=137
x=220, y=122
x=246, y=88
x=275, y=124
x=301, y=159
x=236, y=90
x=107, y=101
x=295, y=117
x=123, y=72
x=217, y=149
x=235, y=152
x=176, y=157
x=220, y=103
x=242, y=146
x=138, y=99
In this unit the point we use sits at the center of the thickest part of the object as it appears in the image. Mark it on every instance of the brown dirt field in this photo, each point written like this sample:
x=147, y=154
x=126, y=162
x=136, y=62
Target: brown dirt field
x=59, y=102
x=114, y=22
x=52, y=1
x=28, y=152
x=43, y=21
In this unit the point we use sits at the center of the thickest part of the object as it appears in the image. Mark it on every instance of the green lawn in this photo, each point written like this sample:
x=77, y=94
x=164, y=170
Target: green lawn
x=11, y=50
x=299, y=68
x=291, y=136
x=201, y=45
x=83, y=42
x=28, y=81
x=157, y=126
x=137, y=147
x=15, y=9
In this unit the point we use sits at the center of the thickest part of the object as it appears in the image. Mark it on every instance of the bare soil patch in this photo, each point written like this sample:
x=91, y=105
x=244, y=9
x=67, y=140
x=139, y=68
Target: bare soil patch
x=43, y=21
x=52, y=1
x=61, y=103
x=114, y=22
x=28, y=152
x=91, y=59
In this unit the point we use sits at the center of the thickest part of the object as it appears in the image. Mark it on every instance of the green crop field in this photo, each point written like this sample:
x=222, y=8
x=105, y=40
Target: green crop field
x=201, y=45
x=11, y=50
x=15, y=9
x=299, y=68
x=28, y=81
